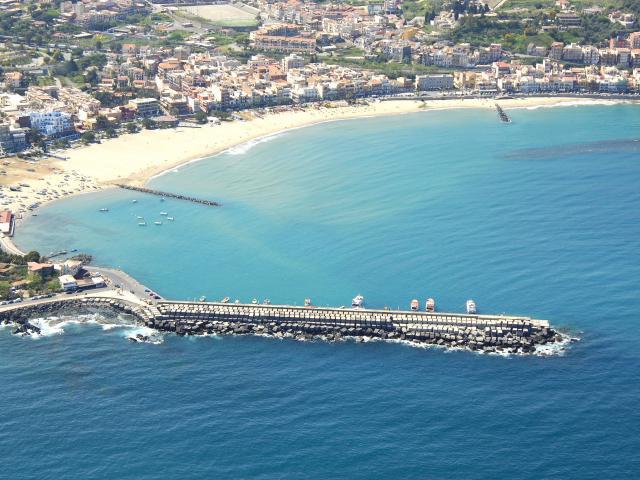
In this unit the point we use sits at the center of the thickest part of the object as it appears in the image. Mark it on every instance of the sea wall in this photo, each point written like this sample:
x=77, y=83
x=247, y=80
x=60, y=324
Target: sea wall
x=488, y=334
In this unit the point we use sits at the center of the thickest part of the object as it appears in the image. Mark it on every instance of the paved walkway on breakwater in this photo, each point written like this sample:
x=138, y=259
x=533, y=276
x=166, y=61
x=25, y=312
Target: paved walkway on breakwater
x=177, y=196
x=489, y=333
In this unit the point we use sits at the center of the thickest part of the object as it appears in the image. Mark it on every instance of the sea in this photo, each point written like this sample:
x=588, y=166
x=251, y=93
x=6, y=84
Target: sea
x=539, y=217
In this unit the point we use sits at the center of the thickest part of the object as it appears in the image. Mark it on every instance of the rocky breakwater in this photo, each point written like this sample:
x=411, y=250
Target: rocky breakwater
x=508, y=335
x=20, y=317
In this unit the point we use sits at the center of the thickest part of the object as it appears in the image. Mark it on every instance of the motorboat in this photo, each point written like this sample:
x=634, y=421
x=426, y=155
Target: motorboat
x=415, y=305
x=307, y=302
x=358, y=301
x=471, y=307
x=430, y=305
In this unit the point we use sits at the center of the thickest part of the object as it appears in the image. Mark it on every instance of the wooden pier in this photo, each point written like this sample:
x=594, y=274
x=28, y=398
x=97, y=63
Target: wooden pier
x=177, y=196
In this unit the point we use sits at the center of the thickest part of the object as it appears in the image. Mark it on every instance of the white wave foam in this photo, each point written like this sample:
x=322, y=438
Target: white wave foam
x=55, y=325
x=575, y=103
x=245, y=147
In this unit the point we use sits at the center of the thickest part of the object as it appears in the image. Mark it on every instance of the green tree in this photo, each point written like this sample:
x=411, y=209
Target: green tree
x=148, y=124
x=88, y=137
x=102, y=123
x=131, y=127
x=32, y=256
x=111, y=132
x=201, y=117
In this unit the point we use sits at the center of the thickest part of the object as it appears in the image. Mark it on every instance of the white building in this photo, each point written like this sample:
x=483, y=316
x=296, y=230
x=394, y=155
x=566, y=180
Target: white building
x=51, y=124
x=68, y=283
x=434, y=82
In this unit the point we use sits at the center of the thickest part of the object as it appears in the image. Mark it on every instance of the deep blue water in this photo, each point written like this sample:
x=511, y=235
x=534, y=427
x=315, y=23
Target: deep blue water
x=540, y=217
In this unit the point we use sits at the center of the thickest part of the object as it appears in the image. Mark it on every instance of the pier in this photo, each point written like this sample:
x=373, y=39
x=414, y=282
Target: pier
x=487, y=333
x=177, y=196
x=502, y=114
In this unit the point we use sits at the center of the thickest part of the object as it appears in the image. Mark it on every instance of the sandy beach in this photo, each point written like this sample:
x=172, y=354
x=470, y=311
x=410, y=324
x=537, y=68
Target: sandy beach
x=135, y=158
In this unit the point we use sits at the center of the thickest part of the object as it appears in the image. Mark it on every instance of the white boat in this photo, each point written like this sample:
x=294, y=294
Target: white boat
x=104, y=209
x=266, y=302
x=225, y=300
x=170, y=218
x=358, y=301
x=142, y=224
x=203, y=298
x=134, y=201
x=430, y=305
x=254, y=301
x=307, y=302
x=415, y=305
x=140, y=218
x=471, y=306
x=164, y=214
x=158, y=223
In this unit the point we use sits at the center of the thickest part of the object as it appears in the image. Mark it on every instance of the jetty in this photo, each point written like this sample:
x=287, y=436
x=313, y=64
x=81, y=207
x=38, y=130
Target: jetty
x=177, y=196
x=504, y=117
x=487, y=333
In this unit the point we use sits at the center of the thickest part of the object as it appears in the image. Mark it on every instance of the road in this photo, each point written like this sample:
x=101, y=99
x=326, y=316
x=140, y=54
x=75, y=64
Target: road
x=8, y=246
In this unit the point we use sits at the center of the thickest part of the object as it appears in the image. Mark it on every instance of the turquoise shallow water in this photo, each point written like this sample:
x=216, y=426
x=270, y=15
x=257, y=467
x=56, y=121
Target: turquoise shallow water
x=539, y=217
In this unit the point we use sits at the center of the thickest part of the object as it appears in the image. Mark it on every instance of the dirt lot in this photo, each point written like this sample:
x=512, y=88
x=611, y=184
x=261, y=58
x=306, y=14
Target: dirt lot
x=225, y=15
x=13, y=170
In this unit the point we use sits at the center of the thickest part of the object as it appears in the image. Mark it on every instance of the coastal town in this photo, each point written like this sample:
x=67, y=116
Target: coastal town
x=76, y=76
x=96, y=69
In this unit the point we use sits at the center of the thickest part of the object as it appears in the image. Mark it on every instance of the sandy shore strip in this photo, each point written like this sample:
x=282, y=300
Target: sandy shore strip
x=135, y=158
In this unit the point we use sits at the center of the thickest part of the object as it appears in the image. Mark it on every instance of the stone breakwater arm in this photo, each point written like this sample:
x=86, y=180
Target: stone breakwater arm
x=499, y=334
x=476, y=332
x=177, y=196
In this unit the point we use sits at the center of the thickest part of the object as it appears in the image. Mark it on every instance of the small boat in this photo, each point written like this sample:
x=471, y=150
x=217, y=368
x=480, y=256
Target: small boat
x=471, y=306
x=162, y=199
x=164, y=214
x=415, y=305
x=73, y=250
x=430, y=305
x=203, y=298
x=254, y=301
x=134, y=201
x=307, y=302
x=104, y=209
x=266, y=302
x=170, y=218
x=237, y=302
x=142, y=224
x=225, y=300
x=358, y=301
x=158, y=223
x=140, y=218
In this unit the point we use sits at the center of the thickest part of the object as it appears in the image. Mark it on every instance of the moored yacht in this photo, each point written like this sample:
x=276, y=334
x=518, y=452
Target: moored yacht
x=164, y=214
x=471, y=306
x=430, y=305
x=358, y=301
x=415, y=305
x=307, y=302
x=104, y=209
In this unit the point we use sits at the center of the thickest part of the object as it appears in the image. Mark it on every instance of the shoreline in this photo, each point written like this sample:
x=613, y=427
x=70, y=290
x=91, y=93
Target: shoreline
x=134, y=159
